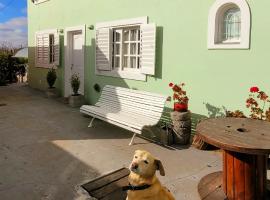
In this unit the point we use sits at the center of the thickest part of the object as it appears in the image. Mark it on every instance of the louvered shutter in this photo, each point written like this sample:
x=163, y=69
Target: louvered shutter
x=103, y=49
x=46, y=50
x=148, y=48
x=56, y=49
x=39, y=49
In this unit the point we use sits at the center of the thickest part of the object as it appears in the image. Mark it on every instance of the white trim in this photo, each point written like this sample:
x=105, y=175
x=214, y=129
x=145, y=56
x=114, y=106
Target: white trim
x=213, y=24
x=36, y=2
x=124, y=22
x=67, y=57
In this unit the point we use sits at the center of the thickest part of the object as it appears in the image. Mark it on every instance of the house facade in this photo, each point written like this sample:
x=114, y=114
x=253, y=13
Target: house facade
x=219, y=48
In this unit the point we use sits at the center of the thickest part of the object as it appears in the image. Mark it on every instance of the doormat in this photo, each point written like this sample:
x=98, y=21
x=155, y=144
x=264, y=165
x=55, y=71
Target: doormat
x=109, y=186
x=3, y=104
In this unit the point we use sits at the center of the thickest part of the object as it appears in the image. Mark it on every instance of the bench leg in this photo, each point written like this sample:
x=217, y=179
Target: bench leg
x=91, y=123
x=132, y=139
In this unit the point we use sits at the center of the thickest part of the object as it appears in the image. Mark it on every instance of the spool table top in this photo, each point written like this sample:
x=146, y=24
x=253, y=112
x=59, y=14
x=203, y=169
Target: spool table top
x=236, y=134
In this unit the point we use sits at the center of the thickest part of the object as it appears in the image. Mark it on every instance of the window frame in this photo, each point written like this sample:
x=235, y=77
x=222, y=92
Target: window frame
x=134, y=74
x=215, y=21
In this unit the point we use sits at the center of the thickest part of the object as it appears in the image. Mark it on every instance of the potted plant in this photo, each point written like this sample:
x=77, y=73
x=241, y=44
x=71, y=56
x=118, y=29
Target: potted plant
x=51, y=78
x=76, y=99
x=181, y=117
x=180, y=97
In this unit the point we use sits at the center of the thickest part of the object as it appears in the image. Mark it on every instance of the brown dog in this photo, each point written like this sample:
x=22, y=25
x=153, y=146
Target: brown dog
x=143, y=182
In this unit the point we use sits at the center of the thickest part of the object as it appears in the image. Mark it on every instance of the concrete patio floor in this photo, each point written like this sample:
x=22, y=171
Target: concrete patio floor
x=47, y=151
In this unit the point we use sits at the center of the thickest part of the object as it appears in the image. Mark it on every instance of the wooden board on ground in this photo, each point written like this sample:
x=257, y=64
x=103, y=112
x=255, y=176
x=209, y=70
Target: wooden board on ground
x=109, y=186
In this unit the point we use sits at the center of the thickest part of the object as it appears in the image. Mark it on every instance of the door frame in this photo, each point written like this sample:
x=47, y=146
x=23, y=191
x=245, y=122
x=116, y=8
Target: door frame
x=68, y=44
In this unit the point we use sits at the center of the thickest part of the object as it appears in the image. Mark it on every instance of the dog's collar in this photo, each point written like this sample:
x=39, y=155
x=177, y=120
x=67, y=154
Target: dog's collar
x=132, y=187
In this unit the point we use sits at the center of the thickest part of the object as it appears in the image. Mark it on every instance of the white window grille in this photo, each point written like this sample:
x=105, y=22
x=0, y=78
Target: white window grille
x=232, y=25
x=126, y=48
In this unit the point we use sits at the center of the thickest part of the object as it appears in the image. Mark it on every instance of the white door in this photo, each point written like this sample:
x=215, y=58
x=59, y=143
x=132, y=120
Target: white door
x=77, y=58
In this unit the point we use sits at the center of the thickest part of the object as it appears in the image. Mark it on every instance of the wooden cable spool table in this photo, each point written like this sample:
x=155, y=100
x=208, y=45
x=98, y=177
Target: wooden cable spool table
x=246, y=148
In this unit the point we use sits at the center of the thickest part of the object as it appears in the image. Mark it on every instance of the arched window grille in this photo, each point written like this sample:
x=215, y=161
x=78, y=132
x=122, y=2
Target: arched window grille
x=232, y=25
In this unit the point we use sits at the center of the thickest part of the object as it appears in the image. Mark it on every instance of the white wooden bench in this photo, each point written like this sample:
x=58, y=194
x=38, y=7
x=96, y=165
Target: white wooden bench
x=130, y=109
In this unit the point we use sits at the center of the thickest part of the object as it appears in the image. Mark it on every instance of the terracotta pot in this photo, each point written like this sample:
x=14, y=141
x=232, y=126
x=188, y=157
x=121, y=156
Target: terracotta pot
x=181, y=107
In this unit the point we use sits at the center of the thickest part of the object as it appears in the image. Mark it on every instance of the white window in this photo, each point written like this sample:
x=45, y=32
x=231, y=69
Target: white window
x=229, y=25
x=126, y=48
x=47, y=49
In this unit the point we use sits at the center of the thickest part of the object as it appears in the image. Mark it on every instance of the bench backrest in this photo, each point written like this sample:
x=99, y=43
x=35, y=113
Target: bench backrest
x=132, y=101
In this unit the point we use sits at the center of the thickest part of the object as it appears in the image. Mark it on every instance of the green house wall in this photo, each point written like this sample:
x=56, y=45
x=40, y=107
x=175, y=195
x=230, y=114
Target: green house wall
x=214, y=78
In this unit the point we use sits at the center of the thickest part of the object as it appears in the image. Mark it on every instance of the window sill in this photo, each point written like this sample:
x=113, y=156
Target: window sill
x=133, y=75
x=228, y=45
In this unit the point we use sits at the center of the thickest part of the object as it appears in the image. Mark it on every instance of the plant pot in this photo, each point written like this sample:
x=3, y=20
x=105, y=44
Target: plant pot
x=181, y=107
x=51, y=93
x=76, y=100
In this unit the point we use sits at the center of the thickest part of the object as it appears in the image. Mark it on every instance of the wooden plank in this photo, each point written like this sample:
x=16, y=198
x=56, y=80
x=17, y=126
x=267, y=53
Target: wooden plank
x=109, y=186
x=224, y=185
x=230, y=175
x=239, y=176
x=261, y=176
x=250, y=174
x=106, y=179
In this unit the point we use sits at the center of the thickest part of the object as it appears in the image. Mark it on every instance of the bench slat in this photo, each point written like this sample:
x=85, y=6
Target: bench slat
x=137, y=116
x=121, y=118
x=132, y=91
x=120, y=96
x=127, y=103
x=132, y=110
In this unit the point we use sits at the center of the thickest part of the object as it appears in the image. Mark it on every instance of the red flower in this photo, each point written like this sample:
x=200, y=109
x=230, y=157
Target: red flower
x=254, y=89
x=171, y=84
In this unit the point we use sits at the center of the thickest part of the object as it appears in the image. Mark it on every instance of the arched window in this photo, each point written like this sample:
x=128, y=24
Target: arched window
x=232, y=25
x=229, y=25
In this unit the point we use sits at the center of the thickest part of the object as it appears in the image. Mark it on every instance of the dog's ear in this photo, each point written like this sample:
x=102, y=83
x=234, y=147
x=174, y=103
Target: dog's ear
x=160, y=167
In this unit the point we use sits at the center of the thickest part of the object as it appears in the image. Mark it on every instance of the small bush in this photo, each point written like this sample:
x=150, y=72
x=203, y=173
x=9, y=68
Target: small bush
x=75, y=84
x=51, y=77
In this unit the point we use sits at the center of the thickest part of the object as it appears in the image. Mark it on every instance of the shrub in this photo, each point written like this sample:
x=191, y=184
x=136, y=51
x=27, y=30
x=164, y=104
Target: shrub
x=75, y=84
x=51, y=77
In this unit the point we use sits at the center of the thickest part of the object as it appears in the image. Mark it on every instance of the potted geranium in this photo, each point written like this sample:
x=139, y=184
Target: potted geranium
x=180, y=97
x=51, y=78
x=181, y=117
x=76, y=99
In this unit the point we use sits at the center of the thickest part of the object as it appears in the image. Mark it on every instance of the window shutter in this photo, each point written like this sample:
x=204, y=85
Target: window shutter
x=56, y=49
x=148, y=48
x=39, y=49
x=104, y=49
x=46, y=50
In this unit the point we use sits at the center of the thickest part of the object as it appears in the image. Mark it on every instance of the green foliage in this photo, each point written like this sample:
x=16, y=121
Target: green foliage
x=10, y=67
x=51, y=77
x=75, y=84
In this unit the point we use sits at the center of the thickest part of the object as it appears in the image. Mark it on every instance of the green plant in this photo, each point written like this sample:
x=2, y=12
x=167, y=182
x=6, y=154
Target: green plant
x=51, y=77
x=75, y=84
